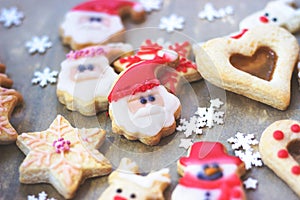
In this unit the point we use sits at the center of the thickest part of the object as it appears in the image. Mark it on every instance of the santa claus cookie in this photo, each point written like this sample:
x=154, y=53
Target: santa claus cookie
x=140, y=107
x=86, y=77
x=149, y=50
x=62, y=156
x=126, y=184
x=283, y=13
x=258, y=65
x=279, y=148
x=209, y=173
x=98, y=21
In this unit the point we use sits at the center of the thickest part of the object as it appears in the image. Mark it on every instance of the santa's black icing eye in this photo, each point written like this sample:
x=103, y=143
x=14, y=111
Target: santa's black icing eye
x=81, y=68
x=119, y=190
x=274, y=19
x=151, y=98
x=90, y=67
x=143, y=100
x=95, y=19
x=132, y=196
x=267, y=14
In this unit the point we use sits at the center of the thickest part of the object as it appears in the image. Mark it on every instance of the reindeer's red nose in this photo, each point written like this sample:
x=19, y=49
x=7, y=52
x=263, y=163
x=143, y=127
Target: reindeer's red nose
x=263, y=19
x=119, y=198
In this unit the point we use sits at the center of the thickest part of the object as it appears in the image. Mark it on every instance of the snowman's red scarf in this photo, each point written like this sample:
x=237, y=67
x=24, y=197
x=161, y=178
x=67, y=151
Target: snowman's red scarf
x=226, y=185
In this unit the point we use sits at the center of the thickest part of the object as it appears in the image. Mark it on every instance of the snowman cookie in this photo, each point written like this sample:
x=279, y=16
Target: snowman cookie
x=86, y=77
x=257, y=65
x=208, y=172
x=283, y=13
x=125, y=183
x=279, y=149
x=140, y=107
x=98, y=22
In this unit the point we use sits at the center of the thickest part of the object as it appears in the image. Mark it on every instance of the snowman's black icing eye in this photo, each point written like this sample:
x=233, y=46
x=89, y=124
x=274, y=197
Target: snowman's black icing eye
x=119, y=190
x=274, y=19
x=266, y=14
x=132, y=196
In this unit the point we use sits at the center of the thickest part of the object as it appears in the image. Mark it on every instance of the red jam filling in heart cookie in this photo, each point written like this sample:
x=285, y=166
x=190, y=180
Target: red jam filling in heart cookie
x=261, y=64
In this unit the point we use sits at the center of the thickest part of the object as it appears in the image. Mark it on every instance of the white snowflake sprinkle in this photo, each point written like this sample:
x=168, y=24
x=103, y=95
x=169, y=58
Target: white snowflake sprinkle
x=250, y=183
x=210, y=13
x=242, y=141
x=42, y=196
x=45, y=77
x=190, y=127
x=39, y=45
x=11, y=16
x=171, y=23
x=185, y=143
x=150, y=5
x=250, y=158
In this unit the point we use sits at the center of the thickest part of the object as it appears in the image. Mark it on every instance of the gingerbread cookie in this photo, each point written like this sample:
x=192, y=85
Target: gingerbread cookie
x=279, y=149
x=86, y=77
x=97, y=22
x=125, y=183
x=281, y=13
x=209, y=173
x=149, y=50
x=258, y=65
x=62, y=156
x=140, y=107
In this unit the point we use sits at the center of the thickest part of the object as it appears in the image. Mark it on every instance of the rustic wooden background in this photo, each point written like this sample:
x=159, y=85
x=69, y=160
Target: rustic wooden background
x=41, y=105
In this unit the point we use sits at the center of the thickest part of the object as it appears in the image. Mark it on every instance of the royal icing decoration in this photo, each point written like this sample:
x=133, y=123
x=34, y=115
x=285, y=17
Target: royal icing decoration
x=60, y=155
x=97, y=22
x=279, y=148
x=209, y=173
x=38, y=44
x=210, y=13
x=44, y=77
x=250, y=183
x=41, y=196
x=185, y=143
x=279, y=12
x=171, y=23
x=125, y=183
x=11, y=16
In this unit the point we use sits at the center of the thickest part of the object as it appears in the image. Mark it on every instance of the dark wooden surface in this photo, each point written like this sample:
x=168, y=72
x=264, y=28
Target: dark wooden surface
x=41, y=105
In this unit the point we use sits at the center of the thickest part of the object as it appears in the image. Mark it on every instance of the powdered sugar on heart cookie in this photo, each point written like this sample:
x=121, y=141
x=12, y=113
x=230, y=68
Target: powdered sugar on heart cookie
x=97, y=22
x=279, y=149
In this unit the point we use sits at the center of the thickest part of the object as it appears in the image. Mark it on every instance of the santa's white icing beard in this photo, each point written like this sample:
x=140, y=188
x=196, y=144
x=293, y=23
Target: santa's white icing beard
x=91, y=27
x=148, y=120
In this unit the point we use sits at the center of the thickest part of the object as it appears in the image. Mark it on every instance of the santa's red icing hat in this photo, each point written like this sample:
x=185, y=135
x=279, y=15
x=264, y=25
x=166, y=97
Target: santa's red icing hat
x=113, y=7
x=138, y=78
x=208, y=152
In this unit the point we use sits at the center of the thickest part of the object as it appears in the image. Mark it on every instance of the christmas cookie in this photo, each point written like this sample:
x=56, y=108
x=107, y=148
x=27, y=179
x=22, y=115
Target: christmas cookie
x=150, y=49
x=209, y=173
x=9, y=99
x=97, y=22
x=279, y=148
x=258, y=65
x=281, y=13
x=62, y=156
x=86, y=77
x=125, y=183
x=140, y=107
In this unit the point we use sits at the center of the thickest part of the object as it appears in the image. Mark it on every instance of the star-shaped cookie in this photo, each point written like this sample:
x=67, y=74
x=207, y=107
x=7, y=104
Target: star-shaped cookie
x=9, y=98
x=62, y=156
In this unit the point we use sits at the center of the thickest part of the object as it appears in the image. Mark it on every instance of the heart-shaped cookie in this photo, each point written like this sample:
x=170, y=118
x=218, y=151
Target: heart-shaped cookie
x=280, y=150
x=222, y=61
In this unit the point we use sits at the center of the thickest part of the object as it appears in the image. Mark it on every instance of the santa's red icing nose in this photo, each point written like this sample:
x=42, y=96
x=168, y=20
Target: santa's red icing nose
x=263, y=19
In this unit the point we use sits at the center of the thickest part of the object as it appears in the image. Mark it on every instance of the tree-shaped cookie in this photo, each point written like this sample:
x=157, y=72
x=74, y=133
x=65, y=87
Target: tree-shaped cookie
x=62, y=156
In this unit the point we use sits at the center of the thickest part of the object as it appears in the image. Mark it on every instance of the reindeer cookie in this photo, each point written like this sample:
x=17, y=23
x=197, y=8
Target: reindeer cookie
x=279, y=149
x=258, y=65
x=86, y=77
x=126, y=184
x=98, y=22
x=281, y=13
x=209, y=173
